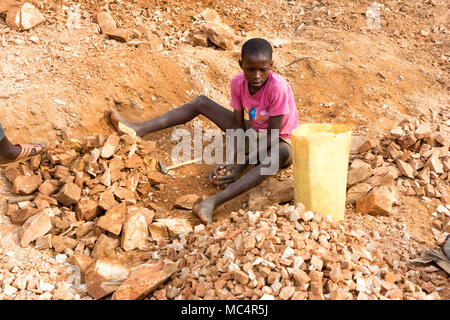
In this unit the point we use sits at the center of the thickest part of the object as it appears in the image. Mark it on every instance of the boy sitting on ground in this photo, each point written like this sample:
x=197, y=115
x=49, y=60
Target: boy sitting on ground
x=270, y=104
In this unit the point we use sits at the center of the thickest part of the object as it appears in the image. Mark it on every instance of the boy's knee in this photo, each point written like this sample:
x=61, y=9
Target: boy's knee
x=202, y=99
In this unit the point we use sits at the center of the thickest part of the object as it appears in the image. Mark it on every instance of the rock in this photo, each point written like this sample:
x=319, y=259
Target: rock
x=144, y=279
x=286, y=293
x=19, y=216
x=153, y=43
x=187, y=201
x=135, y=232
x=158, y=231
x=110, y=146
x=435, y=164
x=44, y=242
x=87, y=209
x=104, y=276
x=61, y=243
x=200, y=40
x=35, y=227
x=405, y=168
x=211, y=16
x=26, y=184
x=24, y=17
x=105, y=21
x=423, y=131
x=383, y=175
x=355, y=143
x=176, y=226
x=442, y=138
x=69, y=194
x=107, y=200
x=105, y=247
x=377, y=202
x=113, y=219
x=357, y=191
x=359, y=174
x=221, y=35
x=134, y=162
x=121, y=35
x=368, y=145
x=241, y=277
x=48, y=187
x=80, y=260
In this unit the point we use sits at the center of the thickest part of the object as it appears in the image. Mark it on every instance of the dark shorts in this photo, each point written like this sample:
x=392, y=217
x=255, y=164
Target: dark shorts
x=259, y=135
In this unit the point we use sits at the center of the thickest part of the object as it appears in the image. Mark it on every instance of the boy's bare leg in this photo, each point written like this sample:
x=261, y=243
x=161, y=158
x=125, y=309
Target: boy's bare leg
x=251, y=179
x=221, y=116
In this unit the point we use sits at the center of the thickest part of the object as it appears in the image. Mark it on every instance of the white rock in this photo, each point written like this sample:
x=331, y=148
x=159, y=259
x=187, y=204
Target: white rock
x=61, y=258
x=44, y=286
x=9, y=290
x=267, y=297
x=289, y=252
x=443, y=210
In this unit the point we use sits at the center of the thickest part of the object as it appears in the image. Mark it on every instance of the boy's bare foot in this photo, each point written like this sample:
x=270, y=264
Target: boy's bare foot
x=116, y=118
x=12, y=153
x=204, y=211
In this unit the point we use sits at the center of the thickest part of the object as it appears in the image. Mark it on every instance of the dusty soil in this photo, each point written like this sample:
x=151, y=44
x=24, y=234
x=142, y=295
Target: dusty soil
x=340, y=72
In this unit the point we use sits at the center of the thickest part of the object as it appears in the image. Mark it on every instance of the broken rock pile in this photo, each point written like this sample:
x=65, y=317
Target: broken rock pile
x=412, y=159
x=284, y=253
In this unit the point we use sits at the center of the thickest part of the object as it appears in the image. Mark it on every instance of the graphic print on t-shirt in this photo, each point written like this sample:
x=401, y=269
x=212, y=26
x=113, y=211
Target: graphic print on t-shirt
x=254, y=115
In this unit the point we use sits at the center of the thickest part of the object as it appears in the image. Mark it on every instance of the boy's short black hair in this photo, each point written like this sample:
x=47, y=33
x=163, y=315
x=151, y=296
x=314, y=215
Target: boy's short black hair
x=256, y=46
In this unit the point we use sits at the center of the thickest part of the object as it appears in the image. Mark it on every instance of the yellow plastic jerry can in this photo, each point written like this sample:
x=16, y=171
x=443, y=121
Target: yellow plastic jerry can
x=320, y=156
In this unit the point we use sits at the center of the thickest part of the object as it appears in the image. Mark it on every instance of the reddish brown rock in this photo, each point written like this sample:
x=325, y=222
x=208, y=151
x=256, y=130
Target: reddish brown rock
x=61, y=243
x=121, y=35
x=105, y=21
x=135, y=232
x=21, y=215
x=105, y=247
x=103, y=276
x=113, y=219
x=134, y=162
x=35, y=227
x=24, y=17
x=158, y=231
x=26, y=184
x=359, y=174
x=69, y=194
x=144, y=279
x=87, y=209
x=357, y=191
x=405, y=168
x=107, y=200
x=375, y=203
x=49, y=187
x=200, y=40
x=435, y=164
x=80, y=260
x=110, y=146
x=423, y=131
x=187, y=201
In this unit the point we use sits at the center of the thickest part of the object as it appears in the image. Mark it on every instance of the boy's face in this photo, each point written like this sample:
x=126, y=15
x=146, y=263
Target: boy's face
x=256, y=70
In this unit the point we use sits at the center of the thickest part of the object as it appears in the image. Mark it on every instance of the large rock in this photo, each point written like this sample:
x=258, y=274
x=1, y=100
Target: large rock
x=357, y=191
x=69, y=194
x=105, y=22
x=187, y=201
x=176, y=226
x=26, y=184
x=144, y=279
x=135, y=232
x=359, y=174
x=35, y=227
x=113, y=219
x=221, y=35
x=270, y=192
x=24, y=17
x=377, y=202
x=104, y=276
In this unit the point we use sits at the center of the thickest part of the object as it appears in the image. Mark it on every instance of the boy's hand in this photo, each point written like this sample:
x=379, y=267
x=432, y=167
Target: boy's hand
x=233, y=170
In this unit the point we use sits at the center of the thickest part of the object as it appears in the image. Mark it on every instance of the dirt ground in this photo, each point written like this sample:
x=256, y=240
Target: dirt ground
x=340, y=72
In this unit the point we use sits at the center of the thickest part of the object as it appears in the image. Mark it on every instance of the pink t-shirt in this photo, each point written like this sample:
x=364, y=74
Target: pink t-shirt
x=273, y=99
